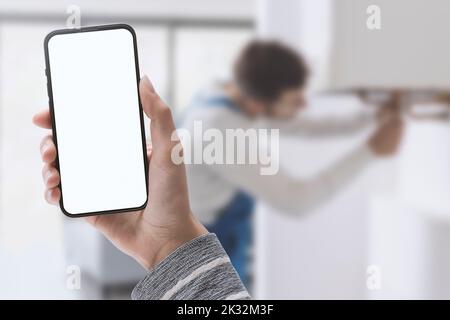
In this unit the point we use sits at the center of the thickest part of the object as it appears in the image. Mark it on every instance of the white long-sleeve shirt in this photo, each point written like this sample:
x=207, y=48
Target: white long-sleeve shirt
x=212, y=186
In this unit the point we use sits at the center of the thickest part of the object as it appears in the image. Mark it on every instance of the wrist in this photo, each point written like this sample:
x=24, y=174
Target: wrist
x=187, y=230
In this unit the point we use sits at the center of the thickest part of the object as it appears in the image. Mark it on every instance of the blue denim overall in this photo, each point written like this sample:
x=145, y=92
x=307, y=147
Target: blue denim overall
x=233, y=226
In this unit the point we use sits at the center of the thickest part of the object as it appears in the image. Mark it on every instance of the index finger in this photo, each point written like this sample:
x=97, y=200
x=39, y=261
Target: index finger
x=42, y=119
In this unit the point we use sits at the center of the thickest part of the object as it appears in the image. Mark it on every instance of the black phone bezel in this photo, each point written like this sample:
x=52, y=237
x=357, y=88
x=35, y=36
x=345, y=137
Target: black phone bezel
x=51, y=107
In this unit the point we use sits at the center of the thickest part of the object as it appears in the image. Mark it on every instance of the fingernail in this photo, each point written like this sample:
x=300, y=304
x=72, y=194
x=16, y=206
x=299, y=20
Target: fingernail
x=148, y=83
x=44, y=149
x=48, y=195
x=47, y=176
x=146, y=80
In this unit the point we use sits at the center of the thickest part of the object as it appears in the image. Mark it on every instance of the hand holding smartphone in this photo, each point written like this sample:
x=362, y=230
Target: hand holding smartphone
x=97, y=121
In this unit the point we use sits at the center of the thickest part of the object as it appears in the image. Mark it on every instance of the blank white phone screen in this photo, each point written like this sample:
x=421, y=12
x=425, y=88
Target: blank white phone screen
x=97, y=120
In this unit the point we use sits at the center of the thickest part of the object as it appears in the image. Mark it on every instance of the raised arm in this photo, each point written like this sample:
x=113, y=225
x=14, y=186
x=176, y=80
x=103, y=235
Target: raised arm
x=326, y=127
x=298, y=196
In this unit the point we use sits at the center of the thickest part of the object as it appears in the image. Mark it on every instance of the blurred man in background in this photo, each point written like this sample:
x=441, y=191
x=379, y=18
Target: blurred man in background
x=267, y=91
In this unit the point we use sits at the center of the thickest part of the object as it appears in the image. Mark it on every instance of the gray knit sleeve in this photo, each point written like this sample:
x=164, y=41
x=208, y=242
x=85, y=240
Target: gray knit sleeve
x=198, y=270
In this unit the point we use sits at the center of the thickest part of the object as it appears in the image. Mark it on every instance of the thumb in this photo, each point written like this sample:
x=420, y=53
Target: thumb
x=161, y=126
x=158, y=112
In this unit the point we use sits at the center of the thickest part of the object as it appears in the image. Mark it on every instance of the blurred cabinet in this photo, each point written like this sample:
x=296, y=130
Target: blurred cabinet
x=409, y=43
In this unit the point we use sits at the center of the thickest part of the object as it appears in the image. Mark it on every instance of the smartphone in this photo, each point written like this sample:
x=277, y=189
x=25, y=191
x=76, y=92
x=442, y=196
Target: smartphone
x=98, y=127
